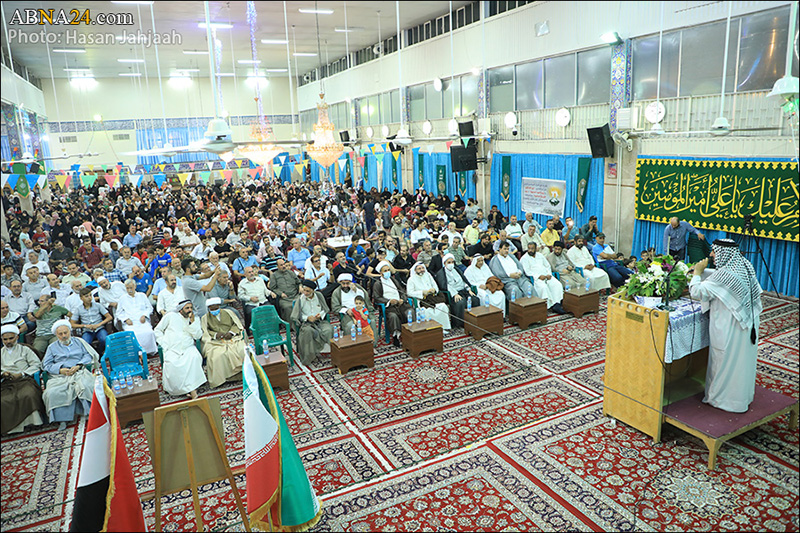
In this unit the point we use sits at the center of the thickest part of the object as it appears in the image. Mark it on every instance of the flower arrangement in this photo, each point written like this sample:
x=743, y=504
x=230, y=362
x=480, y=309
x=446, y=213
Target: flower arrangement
x=650, y=280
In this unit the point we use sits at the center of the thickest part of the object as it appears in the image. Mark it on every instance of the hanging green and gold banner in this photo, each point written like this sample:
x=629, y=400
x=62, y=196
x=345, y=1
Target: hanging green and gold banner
x=582, y=182
x=394, y=173
x=420, y=175
x=505, y=184
x=462, y=184
x=441, y=180
x=365, y=173
x=713, y=194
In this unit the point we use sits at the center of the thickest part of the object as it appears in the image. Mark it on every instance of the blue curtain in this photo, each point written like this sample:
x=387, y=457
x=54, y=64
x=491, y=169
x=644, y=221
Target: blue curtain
x=431, y=185
x=147, y=139
x=548, y=166
x=5, y=148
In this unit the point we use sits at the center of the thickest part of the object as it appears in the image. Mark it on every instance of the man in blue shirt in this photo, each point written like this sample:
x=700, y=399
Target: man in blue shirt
x=144, y=283
x=354, y=250
x=483, y=224
x=675, y=236
x=298, y=255
x=605, y=257
x=132, y=239
x=244, y=260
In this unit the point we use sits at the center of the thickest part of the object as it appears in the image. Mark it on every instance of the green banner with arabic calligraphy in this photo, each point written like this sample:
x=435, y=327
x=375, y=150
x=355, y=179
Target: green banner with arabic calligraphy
x=718, y=194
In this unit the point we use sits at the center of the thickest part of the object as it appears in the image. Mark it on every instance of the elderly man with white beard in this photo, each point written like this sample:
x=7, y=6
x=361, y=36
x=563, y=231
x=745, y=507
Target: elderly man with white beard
x=545, y=284
x=581, y=257
x=20, y=395
x=176, y=333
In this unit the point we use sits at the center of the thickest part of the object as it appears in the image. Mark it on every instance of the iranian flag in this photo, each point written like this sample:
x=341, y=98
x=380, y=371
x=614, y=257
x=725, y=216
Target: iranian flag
x=106, y=498
x=279, y=494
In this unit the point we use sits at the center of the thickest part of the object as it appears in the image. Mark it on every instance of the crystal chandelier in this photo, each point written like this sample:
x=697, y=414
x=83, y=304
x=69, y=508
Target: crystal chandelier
x=261, y=154
x=325, y=149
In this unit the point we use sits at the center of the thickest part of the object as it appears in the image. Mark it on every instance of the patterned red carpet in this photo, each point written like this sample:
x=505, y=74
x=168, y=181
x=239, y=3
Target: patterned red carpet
x=504, y=434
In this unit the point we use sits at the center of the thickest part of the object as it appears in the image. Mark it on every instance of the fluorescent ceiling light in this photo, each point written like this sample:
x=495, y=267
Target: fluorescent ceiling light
x=611, y=37
x=217, y=25
x=183, y=70
x=249, y=61
x=274, y=41
x=130, y=60
x=83, y=82
x=347, y=29
x=77, y=69
x=225, y=74
x=131, y=74
x=70, y=50
x=316, y=11
x=196, y=52
x=275, y=69
x=304, y=54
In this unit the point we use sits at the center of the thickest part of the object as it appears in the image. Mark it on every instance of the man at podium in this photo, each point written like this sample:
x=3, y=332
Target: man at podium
x=734, y=296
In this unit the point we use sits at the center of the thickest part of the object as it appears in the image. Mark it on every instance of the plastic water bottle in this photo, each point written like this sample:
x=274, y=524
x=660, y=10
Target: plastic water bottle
x=420, y=314
x=353, y=332
x=410, y=316
x=358, y=329
x=264, y=347
x=116, y=385
x=566, y=286
x=469, y=303
x=129, y=381
x=513, y=294
x=486, y=300
x=336, y=333
x=588, y=285
x=530, y=292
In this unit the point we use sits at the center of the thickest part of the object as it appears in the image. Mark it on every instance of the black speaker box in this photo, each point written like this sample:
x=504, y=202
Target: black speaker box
x=600, y=141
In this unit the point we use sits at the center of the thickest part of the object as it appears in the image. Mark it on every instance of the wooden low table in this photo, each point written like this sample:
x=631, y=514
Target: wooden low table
x=579, y=301
x=132, y=403
x=276, y=369
x=347, y=353
x=527, y=311
x=482, y=320
x=422, y=336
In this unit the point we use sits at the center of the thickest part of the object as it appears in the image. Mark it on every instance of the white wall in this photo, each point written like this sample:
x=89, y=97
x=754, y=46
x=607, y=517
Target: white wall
x=19, y=92
x=510, y=38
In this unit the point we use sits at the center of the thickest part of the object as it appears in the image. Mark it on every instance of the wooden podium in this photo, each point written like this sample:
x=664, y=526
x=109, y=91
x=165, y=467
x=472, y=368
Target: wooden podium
x=638, y=384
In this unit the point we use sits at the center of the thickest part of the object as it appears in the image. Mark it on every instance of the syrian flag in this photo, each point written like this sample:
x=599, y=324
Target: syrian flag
x=106, y=498
x=279, y=493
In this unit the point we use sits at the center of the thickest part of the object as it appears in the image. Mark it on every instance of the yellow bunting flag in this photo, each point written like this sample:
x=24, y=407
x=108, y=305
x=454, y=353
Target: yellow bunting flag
x=183, y=176
x=62, y=180
x=396, y=154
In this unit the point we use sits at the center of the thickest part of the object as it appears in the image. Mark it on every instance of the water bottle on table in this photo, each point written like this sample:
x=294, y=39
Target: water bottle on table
x=566, y=286
x=129, y=381
x=530, y=292
x=588, y=285
x=410, y=316
x=336, y=333
x=358, y=329
x=264, y=347
x=513, y=294
x=116, y=384
x=469, y=303
x=486, y=300
x=353, y=332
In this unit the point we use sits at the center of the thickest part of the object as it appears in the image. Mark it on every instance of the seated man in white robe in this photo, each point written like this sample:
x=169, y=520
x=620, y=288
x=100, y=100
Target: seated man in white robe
x=20, y=395
x=545, y=285
x=70, y=387
x=581, y=257
x=560, y=262
x=223, y=344
x=734, y=296
x=480, y=275
x=506, y=267
x=133, y=312
x=176, y=333
x=110, y=293
x=423, y=287
x=343, y=300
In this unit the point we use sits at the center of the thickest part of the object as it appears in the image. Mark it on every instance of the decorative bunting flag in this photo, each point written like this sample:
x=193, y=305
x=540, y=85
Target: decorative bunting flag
x=11, y=180
x=88, y=180
x=32, y=180
x=4, y=177
x=371, y=148
x=298, y=167
x=204, y=176
x=210, y=165
x=42, y=181
x=91, y=168
x=379, y=157
x=243, y=173
x=183, y=176
x=361, y=160
x=228, y=175
x=146, y=168
x=104, y=167
x=430, y=149
x=396, y=154
x=342, y=163
x=191, y=166
x=111, y=179
x=449, y=144
x=118, y=168
x=305, y=163
x=254, y=172
x=63, y=181
x=136, y=179
x=159, y=178
x=465, y=141
x=278, y=169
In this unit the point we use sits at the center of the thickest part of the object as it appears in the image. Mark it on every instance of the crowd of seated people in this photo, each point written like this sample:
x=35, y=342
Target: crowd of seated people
x=183, y=270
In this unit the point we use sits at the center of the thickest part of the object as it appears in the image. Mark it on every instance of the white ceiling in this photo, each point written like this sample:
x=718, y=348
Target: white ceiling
x=183, y=18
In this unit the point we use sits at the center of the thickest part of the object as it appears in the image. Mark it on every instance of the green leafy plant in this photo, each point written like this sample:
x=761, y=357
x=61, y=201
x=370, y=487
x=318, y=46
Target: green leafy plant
x=651, y=280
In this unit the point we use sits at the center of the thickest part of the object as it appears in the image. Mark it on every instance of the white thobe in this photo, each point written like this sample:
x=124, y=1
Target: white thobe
x=596, y=276
x=168, y=301
x=548, y=289
x=133, y=309
x=477, y=277
x=731, y=372
x=183, y=364
x=112, y=294
x=416, y=286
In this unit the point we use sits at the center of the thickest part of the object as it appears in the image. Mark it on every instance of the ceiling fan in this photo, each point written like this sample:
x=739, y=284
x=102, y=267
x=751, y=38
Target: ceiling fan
x=27, y=158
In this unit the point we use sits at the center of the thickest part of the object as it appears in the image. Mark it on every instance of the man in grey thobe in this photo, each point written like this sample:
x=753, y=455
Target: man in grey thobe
x=506, y=267
x=559, y=262
x=285, y=284
x=309, y=315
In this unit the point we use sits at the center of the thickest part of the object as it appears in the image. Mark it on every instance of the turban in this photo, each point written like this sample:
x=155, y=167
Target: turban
x=182, y=304
x=448, y=256
x=58, y=323
x=9, y=328
x=213, y=301
x=101, y=278
x=46, y=291
x=344, y=277
x=308, y=283
x=383, y=264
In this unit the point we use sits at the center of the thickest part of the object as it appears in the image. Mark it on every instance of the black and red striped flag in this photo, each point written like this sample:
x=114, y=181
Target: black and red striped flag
x=106, y=498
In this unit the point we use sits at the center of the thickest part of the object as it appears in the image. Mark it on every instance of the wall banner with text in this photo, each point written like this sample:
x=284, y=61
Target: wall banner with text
x=719, y=195
x=544, y=197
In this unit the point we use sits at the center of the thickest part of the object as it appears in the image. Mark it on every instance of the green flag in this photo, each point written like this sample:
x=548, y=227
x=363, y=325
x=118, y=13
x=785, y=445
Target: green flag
x=441, y=181
x=582, y=182
x=420, y=175
x=22, y=188
x=394, y=173
x=365, y=172
x=462, y=184
x=505, y=184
